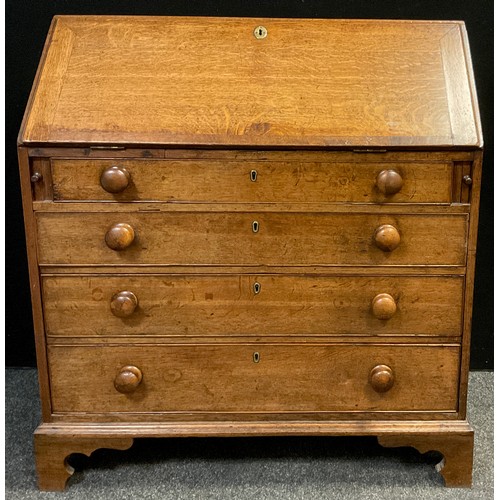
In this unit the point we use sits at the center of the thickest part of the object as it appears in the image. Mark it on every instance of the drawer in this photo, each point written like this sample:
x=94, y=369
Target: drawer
x=253, y=378
x=255, y=305
x=251, y=239
x=251, y=181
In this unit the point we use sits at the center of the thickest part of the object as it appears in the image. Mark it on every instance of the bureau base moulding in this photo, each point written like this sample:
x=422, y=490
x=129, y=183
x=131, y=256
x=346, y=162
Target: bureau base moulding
x=54, y=443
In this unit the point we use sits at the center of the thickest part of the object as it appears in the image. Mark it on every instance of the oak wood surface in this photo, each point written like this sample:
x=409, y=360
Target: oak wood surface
x=338, y=83
x=456, y=448
x=359, y=208
x=52, y=451
x=464, y=127
x=228, y=305
x=54, y=442
x=34, y=280
x=361, y=154
x=229, y=239
x=257, y=173
x=255, y=417
x=230, y=181
x=469, y=280
x=194, y=378
x=41, y=179
x=72, y=270
x=147, y=339
x=242, y=428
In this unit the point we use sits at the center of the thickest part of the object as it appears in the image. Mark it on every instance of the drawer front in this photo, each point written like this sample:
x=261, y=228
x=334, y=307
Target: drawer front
x=250, y=239
x=251, y=181
x=224, y=378
x=252, y=305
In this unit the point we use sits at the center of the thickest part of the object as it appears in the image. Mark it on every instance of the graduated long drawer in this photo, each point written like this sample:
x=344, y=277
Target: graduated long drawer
x=253, y=378
x=249, y=181
x=283, y=239
x=255, y=305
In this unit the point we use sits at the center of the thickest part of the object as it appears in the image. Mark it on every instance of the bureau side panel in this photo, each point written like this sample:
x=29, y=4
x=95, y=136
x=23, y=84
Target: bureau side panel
x=469, y=281
x=36, y=301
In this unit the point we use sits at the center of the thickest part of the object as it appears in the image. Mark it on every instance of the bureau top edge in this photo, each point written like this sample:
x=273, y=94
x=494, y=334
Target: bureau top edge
x=352, y=148
x=215, y=82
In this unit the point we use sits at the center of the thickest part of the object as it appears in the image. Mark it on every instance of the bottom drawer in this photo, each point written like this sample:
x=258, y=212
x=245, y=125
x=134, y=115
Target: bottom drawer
x=253, y=378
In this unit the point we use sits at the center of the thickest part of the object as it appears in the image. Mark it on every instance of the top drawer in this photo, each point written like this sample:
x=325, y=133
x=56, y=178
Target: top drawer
x=251, y=181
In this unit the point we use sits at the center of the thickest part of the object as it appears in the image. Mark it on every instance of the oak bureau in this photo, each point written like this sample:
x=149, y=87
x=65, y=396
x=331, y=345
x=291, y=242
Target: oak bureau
x=242, y=227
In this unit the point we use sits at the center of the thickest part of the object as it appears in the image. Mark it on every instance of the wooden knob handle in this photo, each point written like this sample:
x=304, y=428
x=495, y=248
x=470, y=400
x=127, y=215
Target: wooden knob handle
x=389, y=182
x=115, y=179
x=36, y=177
x=387, y=237
x=128, y=379
x=123, y=304
x=381, y=378
x=120, y=236
x=384, y=306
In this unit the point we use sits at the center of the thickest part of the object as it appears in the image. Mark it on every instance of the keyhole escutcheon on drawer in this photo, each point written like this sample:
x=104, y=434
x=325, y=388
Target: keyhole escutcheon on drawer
x=255, y=226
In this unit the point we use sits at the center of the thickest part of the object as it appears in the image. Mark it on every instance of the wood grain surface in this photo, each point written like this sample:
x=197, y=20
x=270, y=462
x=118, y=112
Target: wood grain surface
x=210, y=81
x=469, y=279
x=54, y=442
x=338, y=208
x=51, y=453
x=456, y=447
x=362, y=154
x=229, y=239
x=35, y=282
x=255, y=182
x=229, y=305
x=230, y=235
x=286, y=378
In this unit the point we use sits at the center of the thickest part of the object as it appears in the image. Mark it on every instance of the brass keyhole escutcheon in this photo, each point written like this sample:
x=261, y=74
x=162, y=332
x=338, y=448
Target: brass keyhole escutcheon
x=260, y=32
x=255, y=226
x=256, y=357
x=253, y=175
x=256, y=287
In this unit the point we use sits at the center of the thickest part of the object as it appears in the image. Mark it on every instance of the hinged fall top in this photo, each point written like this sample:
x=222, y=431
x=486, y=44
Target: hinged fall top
x=282, y=83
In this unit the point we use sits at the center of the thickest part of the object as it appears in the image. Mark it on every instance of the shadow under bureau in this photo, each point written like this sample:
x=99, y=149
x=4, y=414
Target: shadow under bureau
x=270, y=231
